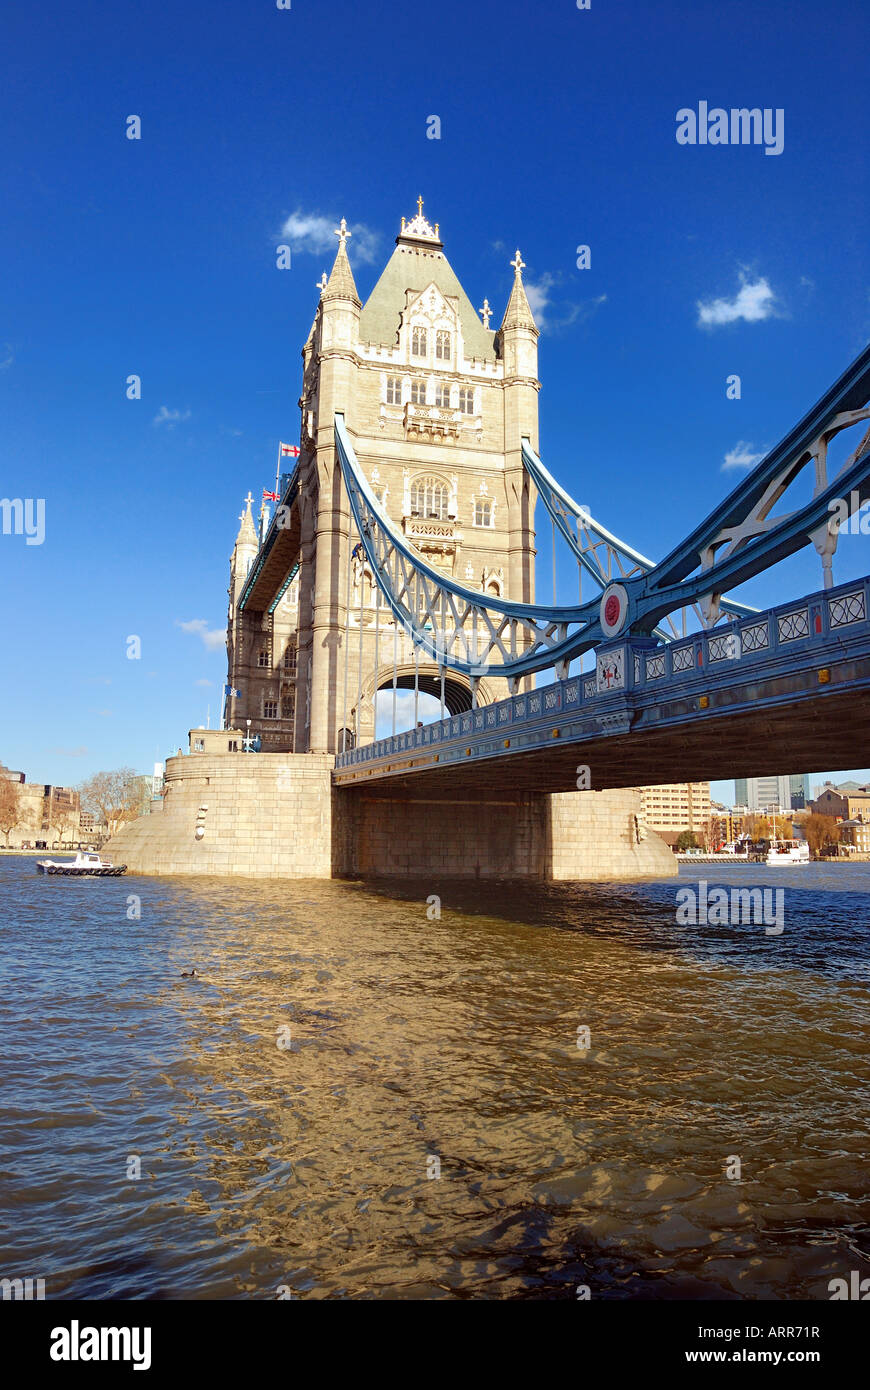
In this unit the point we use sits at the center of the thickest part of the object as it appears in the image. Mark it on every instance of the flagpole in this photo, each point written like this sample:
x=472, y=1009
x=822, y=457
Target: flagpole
x=278, y=469
x=224, y=709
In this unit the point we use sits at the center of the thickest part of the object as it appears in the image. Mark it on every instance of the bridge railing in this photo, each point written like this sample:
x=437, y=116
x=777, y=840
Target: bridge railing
x=645, y=666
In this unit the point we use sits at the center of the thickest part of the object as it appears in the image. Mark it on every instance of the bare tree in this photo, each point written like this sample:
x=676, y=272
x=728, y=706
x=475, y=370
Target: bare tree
x=757, y=827
x=63, y=820
x=821, y=832
x=10, y=805
x=114, y=797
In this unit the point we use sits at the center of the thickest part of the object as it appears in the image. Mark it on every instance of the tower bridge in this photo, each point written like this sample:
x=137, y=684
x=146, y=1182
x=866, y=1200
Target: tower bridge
x=401, y=557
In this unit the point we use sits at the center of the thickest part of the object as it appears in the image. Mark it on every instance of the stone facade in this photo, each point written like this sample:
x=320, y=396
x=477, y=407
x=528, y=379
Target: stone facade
x=261, y=649
x=844, y=805
x=277, y=816
x=527, y=835
x=46, y=814
x=437, y=404
x=669, y=810
x=260, y=815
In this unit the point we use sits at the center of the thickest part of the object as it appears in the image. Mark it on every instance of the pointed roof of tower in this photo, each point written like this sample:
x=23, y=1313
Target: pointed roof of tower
x=340, y=284
x=247, y=531
x=418, y=261
x=518, y=313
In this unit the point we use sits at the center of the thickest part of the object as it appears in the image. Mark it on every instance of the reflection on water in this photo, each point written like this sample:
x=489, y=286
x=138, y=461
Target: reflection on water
x=412, y=1040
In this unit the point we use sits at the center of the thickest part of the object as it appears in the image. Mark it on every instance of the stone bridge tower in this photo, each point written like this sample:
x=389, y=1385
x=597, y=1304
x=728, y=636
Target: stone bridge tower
x=437, y=403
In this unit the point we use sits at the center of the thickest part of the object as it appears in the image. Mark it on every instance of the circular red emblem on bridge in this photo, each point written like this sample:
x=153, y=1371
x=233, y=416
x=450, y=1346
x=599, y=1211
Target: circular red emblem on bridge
x=613, y=610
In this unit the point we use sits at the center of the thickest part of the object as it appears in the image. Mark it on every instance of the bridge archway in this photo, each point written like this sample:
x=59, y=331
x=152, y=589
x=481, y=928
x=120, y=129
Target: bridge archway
x=457, y=694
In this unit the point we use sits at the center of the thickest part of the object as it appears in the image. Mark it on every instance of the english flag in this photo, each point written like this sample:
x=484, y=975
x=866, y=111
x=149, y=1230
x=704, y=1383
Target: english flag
x=269, y=496
x=290, y=450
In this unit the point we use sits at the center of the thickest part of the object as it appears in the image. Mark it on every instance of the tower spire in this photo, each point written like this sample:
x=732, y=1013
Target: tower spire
x=518, y=313
x=340, y=284
x=247, y=531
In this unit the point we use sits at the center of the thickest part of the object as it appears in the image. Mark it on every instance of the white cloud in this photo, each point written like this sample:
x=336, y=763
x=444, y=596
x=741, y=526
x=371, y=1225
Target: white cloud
x=212, y=638
x=753, y=302
x=542, y=305
x=205, y=682
x=79, y=752
x=741, y=456
x=7, y=356
x=170, y=418
x=314, y=234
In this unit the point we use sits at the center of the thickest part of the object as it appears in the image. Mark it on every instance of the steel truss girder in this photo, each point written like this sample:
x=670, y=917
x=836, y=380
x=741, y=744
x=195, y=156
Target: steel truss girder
x=741, y=526
x=601, y=554
x=511, y=639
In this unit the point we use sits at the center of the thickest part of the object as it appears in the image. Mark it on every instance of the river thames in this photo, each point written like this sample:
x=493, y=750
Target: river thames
x=355, y=1098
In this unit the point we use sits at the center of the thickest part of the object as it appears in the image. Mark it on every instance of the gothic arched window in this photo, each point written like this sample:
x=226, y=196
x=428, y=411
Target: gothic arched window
x=442, y=344
x=442, y=395
x=429, y=498
x=419, y=341
x=418, y=392
x=483, y=512
x=394, y=390
x=466, y=400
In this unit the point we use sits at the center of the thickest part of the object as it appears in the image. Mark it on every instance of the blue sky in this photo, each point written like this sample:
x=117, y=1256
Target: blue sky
x=157, y=257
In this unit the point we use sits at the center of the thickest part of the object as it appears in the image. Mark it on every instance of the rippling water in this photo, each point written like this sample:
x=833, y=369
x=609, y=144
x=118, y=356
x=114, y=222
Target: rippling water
x=414, y=1040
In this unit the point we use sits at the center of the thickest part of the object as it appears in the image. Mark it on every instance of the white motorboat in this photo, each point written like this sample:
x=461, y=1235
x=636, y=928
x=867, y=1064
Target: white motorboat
x=85, y=865
x=788, y=852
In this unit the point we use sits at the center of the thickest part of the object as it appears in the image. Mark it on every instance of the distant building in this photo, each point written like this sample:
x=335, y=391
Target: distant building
x=842, y=802
x=801, y=795
x=760, y=794
x=670, y=810
x=48, y=815
x=726, y=825
x=855, y=834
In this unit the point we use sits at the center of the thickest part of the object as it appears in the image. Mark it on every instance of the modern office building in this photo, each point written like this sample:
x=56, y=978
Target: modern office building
x=760, y=794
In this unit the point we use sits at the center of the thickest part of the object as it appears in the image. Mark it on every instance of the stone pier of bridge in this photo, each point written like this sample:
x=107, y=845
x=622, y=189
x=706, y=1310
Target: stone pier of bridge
x=274, y=815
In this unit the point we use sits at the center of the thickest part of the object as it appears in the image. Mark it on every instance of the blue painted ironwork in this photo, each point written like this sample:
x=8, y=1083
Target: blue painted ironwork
x=631, y=690
x=284, y=587
x=519, y=639
x=620, y=561
x=282, y=511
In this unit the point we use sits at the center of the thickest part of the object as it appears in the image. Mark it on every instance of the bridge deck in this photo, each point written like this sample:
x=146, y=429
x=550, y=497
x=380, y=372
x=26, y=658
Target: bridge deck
x=784, y=689
x=278, y=556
